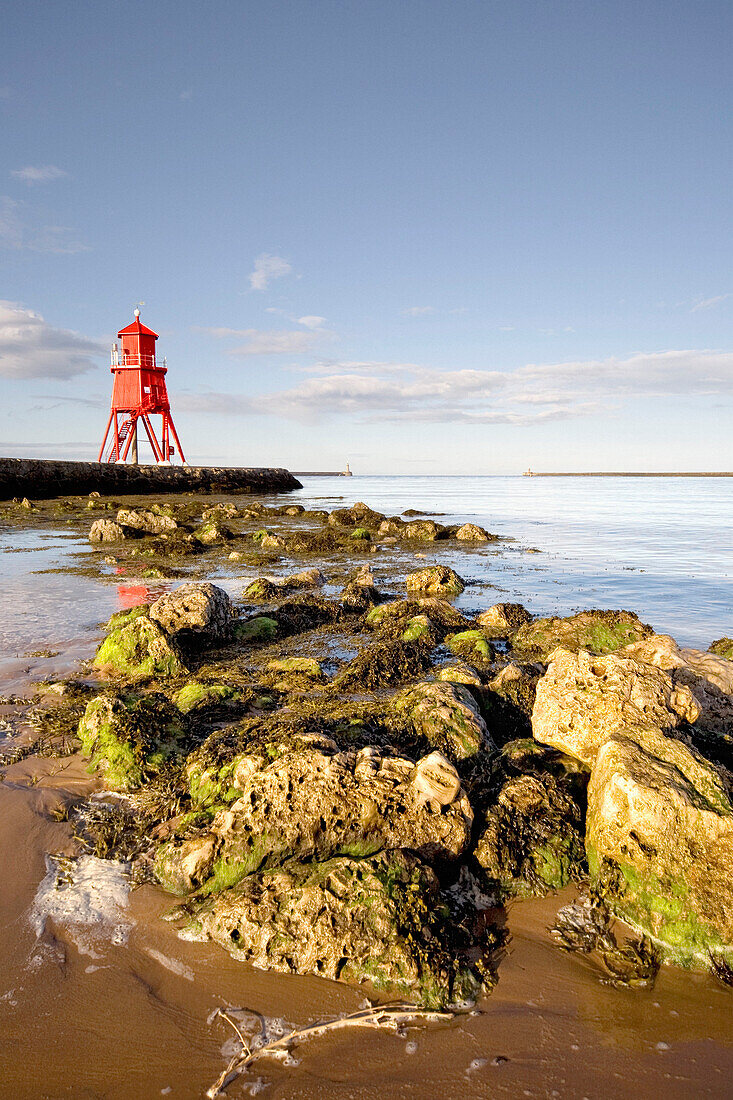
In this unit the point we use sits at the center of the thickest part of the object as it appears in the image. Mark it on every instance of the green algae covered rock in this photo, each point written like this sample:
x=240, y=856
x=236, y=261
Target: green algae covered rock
x=723, y=647
x=472, y=644
x=299, y=666
x=596, y=631
x=659, y=842
x=128, y=739
x=435, y=580
x=380, y=920
x=459, y=673
x=122, y=618
x=259, y=629
x=419, y=628
x=138, y=651
x=195, y=695
x=446, y=715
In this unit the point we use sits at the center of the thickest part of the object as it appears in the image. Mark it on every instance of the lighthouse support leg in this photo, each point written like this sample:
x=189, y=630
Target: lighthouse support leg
x=106, y=433
x=175, y=436
x=151, y=436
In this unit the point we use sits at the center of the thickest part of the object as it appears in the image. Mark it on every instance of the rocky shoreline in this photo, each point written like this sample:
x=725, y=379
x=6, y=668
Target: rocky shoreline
x=341, y=773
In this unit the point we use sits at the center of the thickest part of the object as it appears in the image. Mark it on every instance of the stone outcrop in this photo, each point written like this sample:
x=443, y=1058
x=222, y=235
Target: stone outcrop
x=471, y=532
x=659, y=840
x=380, y=920
x=106, y=530
x=584, y=700
x=659, y=827
x=436, y=580
x=446, y=715
x=149, y=523
x=200, y=611
x=597, y=631
x=314, y=802
x=708, y=675
x=502, y=619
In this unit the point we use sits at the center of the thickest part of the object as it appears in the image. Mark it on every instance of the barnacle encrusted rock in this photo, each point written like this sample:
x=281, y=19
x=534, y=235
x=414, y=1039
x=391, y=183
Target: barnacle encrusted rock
x=312, y=802
x=106, y=530
x=193, y=610
x=380, y=920
x=435, y=580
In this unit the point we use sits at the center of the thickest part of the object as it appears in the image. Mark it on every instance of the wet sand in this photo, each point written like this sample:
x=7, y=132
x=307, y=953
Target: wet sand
x=83, y=1017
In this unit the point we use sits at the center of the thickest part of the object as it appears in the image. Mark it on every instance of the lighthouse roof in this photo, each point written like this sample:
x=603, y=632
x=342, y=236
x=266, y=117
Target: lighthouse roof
x=137, y=328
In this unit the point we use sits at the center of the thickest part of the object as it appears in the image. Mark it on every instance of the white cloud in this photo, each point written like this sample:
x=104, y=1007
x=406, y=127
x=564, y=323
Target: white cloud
x=708, y=303
x=417, y=311
x=44, y=174
x=266, y=269
x=16, y=232
x=312, y=322
x=268, y=341
x=533, y=394
x=31, y=348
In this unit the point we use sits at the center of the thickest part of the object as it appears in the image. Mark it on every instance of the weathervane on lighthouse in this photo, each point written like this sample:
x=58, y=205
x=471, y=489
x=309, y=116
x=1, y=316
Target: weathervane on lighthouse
x=138, y=392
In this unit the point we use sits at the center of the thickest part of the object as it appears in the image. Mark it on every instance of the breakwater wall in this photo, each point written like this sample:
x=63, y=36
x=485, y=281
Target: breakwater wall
x=37, y=477
x=629, y=473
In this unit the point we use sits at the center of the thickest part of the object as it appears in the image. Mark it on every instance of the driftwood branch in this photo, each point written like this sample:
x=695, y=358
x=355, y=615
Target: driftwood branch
x=381, y=1016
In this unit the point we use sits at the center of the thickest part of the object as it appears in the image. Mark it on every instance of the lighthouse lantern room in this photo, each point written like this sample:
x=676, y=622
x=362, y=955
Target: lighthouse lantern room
x=138, y=392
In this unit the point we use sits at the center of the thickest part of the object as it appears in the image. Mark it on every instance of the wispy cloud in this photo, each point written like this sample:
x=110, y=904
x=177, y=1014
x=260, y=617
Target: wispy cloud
x=418, y=311
x=31, y=348
x=267, y=341
x=708, y=303
x=17, y=233
x=312, y=322
x=46, y=173
x=267, y=268
x=532, y=394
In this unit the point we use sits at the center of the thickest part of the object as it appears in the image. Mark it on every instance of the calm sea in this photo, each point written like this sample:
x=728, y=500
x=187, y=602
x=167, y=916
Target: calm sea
x=662, y=547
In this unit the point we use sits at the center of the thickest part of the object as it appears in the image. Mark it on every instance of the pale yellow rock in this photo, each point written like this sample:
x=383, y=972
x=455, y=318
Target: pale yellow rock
x=583, y=701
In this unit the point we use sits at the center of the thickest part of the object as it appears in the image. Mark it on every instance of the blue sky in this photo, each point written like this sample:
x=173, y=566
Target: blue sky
x=424, y=236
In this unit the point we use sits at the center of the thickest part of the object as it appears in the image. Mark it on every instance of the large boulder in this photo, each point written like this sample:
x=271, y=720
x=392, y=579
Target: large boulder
x=106, y=530
x=422, y=530
x=446, y=715
x=194, y=611
x=584, y=700
x=659, y=842
x=380, y=920
x=708, y=675
x=138, y=651
x=597, y=631
x=471, y=532
x=436, y=580
x=502, y=619
x=313, y=802
x=128, y=739
x=149, y=523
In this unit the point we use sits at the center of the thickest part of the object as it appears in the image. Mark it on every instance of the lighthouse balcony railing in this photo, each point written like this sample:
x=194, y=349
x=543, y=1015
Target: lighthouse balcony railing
x=146, y=362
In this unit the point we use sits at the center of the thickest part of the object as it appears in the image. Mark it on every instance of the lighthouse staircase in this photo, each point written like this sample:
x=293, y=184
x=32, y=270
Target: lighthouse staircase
x=125, y=429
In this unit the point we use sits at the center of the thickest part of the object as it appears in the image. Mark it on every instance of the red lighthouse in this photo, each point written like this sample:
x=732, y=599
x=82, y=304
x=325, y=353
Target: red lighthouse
x=138, y=392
